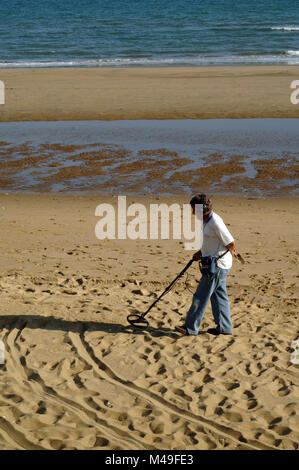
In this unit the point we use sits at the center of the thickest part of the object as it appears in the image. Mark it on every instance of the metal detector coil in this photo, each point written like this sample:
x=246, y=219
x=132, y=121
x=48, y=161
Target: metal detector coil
x=138, y=321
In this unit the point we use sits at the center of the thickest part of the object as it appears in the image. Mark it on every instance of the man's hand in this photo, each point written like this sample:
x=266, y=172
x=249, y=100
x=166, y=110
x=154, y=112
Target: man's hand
x=232, y=248
x=197, y=256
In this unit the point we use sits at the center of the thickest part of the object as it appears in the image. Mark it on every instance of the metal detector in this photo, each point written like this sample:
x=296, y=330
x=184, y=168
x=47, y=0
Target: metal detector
x=139, y=321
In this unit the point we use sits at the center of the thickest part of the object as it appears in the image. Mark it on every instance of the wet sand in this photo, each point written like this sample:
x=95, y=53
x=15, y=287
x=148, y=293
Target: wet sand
x=148, y=93
x=77, y=376
x=113, y=170
x=225, y=157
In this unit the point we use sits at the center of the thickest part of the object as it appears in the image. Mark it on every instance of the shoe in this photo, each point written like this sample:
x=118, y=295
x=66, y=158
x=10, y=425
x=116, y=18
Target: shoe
x=182, y=330
x=213, y=331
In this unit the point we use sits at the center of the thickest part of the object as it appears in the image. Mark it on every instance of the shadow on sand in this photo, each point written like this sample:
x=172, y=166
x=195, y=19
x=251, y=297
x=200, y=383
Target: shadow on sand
x=53, y=323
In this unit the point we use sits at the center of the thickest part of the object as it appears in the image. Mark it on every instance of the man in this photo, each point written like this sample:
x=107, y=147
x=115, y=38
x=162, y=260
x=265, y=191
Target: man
x=217, y=243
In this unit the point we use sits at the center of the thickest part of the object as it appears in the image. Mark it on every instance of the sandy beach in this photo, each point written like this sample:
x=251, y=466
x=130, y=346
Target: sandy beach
x=148, y=93
x=77, y=376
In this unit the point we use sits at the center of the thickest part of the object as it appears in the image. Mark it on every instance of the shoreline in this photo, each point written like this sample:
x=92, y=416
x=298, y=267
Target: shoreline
x=133, y=93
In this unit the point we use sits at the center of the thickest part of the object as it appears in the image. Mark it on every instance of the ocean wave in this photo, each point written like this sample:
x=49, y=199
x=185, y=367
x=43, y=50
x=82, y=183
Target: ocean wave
x=290, y=57
x=87, y=62
x=285, y=28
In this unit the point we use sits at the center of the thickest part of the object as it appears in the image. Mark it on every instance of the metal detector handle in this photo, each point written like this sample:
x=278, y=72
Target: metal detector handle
x=168, y=287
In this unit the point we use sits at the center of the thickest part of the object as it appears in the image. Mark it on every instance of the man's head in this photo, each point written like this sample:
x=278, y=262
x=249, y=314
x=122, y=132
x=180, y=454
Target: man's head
x=204, y=200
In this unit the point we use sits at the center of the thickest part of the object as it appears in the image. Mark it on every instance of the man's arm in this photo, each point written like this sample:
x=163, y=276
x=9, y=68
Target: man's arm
x=225, y=236
x=232, y=248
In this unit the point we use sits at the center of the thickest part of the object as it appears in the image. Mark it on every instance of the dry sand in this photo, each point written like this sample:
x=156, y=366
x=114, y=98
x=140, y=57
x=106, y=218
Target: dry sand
x=148, y=93
x=77, y=376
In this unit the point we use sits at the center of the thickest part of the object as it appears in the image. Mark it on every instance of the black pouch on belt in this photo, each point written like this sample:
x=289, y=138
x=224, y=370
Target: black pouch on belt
x=209, y=263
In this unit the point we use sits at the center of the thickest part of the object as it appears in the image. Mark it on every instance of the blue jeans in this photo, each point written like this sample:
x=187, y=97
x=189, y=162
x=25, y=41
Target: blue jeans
x=210, y=287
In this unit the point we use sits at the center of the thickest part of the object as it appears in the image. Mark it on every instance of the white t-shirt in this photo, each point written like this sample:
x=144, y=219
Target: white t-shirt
x=215, y=238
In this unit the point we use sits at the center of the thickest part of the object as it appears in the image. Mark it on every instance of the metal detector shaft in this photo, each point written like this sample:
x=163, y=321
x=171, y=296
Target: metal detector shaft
x=168, y=287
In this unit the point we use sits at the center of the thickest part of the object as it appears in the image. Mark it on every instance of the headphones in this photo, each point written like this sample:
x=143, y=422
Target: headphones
x=203, y=201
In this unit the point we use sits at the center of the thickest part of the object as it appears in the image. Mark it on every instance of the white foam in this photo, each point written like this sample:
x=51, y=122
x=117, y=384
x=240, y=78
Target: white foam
x=289, y=57
x=95, y=62
x=285, y=28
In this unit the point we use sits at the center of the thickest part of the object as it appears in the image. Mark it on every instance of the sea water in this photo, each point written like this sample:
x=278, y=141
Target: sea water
x=97, y=33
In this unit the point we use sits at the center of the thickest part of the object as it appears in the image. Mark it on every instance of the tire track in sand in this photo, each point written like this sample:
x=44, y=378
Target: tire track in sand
x=104, y=371
x=84, y=412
